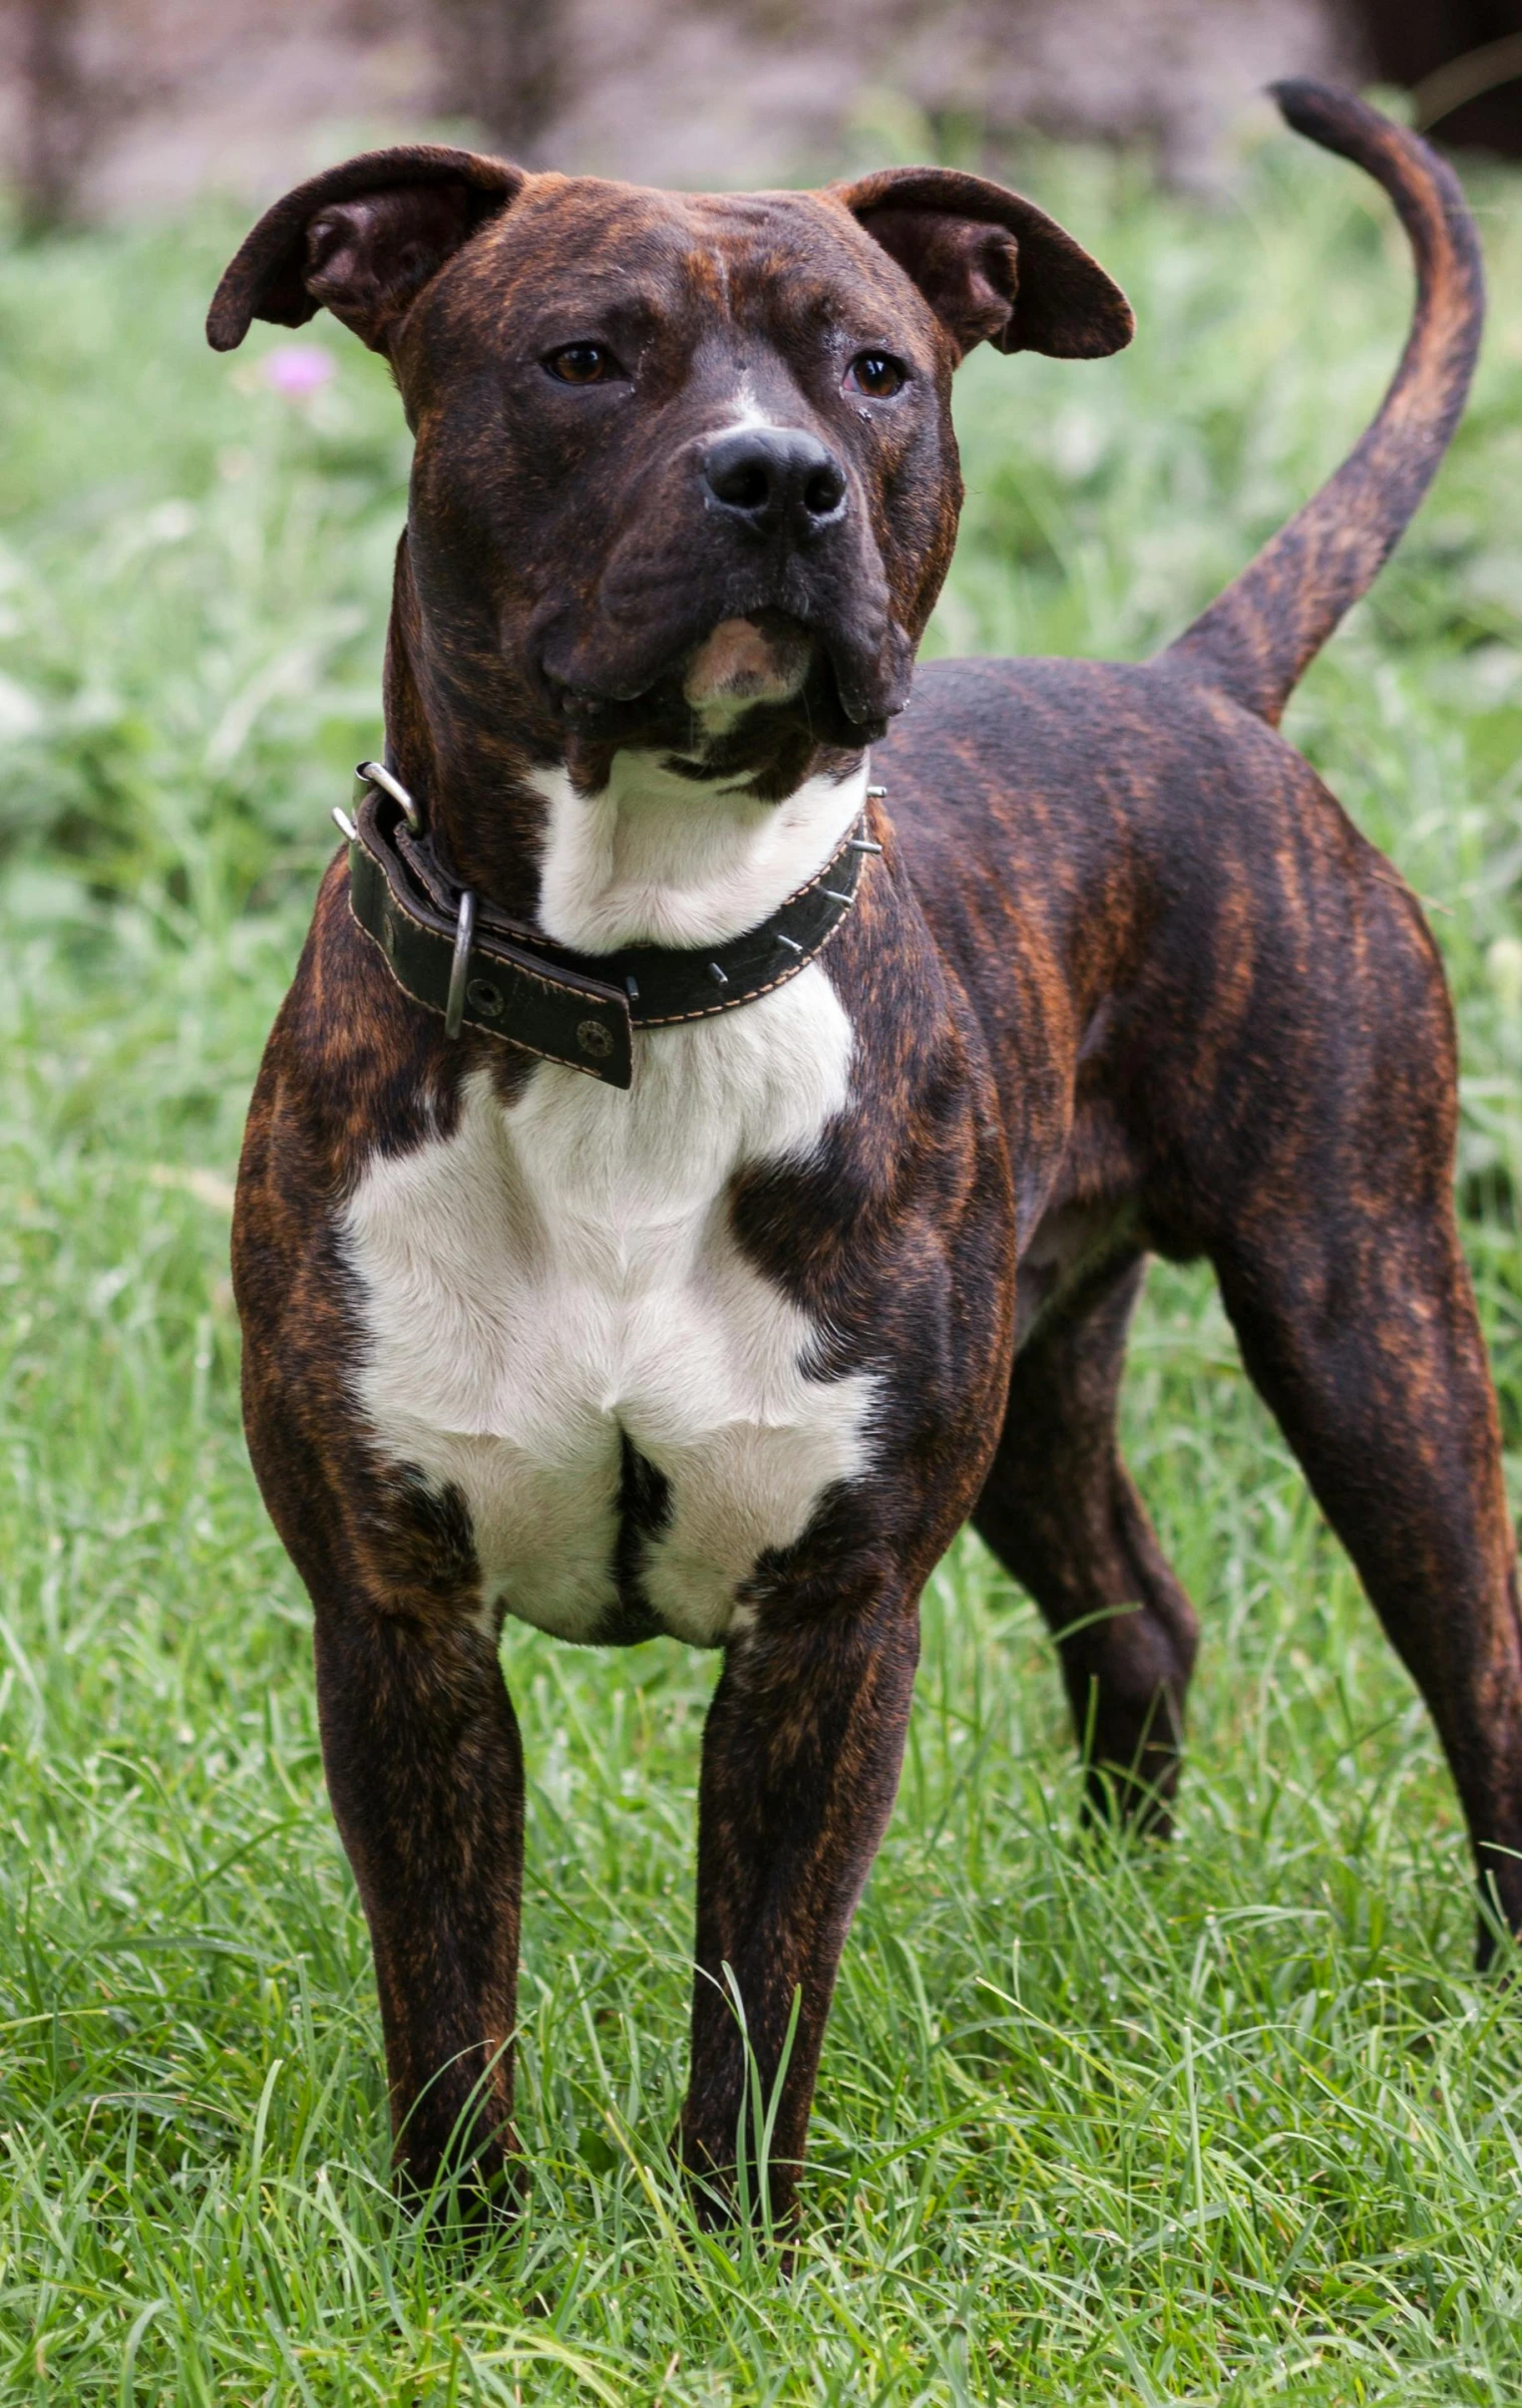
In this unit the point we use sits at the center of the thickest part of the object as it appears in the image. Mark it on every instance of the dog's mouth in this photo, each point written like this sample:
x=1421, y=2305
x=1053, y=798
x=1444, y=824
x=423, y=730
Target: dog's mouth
x=728, y=701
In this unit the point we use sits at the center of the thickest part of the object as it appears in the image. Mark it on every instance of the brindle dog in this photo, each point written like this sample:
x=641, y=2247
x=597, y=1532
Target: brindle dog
x=734, y=1353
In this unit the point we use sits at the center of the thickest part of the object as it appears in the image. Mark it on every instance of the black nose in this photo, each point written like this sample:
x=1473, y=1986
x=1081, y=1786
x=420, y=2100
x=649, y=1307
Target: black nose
x=775, y=478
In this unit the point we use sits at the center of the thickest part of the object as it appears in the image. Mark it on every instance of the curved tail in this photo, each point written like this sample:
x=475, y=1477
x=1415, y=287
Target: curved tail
x=1257, y=639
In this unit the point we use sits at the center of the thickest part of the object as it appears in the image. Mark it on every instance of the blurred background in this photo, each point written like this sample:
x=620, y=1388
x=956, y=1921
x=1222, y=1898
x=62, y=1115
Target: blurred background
x=116, y=106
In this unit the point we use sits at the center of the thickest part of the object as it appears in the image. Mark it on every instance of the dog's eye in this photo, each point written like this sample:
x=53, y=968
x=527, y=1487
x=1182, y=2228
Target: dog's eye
x=877, y=374
x=583, y=364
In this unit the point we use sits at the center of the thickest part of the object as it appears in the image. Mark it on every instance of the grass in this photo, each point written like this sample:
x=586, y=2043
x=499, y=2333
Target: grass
x=1230, y=2123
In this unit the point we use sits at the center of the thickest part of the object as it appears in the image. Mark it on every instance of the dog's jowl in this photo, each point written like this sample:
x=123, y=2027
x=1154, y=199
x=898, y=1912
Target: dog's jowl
x=684, y=1186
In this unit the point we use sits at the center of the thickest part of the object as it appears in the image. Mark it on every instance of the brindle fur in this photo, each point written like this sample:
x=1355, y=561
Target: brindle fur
x=1124, y=980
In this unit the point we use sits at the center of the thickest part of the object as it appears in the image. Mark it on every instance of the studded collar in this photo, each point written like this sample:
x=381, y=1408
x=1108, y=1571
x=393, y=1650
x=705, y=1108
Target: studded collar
x=485, y=971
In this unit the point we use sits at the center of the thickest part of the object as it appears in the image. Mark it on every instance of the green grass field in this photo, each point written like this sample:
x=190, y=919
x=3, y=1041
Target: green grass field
x=1231, y=2122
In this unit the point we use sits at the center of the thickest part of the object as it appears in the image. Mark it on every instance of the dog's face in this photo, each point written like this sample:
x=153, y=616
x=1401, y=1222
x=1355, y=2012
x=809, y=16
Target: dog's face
x=684, y=474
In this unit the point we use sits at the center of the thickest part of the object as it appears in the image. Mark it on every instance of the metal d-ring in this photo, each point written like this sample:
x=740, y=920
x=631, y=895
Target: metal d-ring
x=375, y=772
x=460, y=967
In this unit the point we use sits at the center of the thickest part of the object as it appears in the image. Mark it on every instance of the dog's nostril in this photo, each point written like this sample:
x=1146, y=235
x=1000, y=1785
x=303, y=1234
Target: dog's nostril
x=823, y=492
x=745, y=485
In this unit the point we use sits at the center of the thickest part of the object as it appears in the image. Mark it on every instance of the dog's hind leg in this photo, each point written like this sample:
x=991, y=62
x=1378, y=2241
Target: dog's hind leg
x=1061, y=1512
x=1357, y=1325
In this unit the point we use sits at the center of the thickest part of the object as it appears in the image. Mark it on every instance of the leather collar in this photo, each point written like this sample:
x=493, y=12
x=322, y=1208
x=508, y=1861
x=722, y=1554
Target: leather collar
x=484, y=971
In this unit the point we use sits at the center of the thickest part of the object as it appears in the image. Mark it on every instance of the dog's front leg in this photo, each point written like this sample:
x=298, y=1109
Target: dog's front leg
x=425, y=1772
x=801, y=1758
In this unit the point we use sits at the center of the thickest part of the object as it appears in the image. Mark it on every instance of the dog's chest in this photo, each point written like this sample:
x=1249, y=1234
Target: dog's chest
x=560, y=1326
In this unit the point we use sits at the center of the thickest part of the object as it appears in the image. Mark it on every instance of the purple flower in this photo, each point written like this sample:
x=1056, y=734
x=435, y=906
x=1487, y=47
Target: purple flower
x=296, y=369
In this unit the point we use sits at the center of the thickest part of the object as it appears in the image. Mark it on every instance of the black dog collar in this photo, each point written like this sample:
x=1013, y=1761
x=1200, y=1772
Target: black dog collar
x=484, y=971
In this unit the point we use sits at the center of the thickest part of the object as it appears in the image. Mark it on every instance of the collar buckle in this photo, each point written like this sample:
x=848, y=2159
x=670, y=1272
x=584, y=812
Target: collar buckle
x=460, y=964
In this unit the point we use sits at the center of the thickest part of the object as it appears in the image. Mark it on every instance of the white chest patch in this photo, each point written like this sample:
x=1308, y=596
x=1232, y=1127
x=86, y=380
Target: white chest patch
x=559, y=1277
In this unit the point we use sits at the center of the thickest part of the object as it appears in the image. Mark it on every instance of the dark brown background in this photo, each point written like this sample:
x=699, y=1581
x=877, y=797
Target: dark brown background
x=125, y=106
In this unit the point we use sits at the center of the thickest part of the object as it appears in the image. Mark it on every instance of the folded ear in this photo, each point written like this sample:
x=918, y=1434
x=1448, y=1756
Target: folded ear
x=361, y=241
x=994, y=268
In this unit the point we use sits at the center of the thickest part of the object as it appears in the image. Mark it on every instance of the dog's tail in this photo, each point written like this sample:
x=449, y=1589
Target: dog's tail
x=1258, y=637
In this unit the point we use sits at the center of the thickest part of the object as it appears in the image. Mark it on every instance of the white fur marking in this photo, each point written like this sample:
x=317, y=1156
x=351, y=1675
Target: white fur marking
x=559, y=1273
x=657, y=859
x=747, y=411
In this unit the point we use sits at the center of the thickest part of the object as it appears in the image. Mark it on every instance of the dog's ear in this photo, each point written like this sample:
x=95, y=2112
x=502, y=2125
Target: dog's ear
x=994, y=268
x=361, y=241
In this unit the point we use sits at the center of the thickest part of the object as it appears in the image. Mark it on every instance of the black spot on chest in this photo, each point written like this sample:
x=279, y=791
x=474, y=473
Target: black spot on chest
x=644, y=1513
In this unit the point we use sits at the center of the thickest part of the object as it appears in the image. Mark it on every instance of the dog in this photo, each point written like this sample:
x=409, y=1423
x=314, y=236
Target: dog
x=712, y=1145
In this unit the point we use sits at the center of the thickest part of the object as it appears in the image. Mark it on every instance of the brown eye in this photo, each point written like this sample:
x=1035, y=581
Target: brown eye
x=583, y=364
x=877, y=374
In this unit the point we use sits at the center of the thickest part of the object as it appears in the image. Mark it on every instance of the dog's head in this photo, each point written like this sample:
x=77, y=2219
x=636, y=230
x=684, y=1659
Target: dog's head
x=684, y=471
